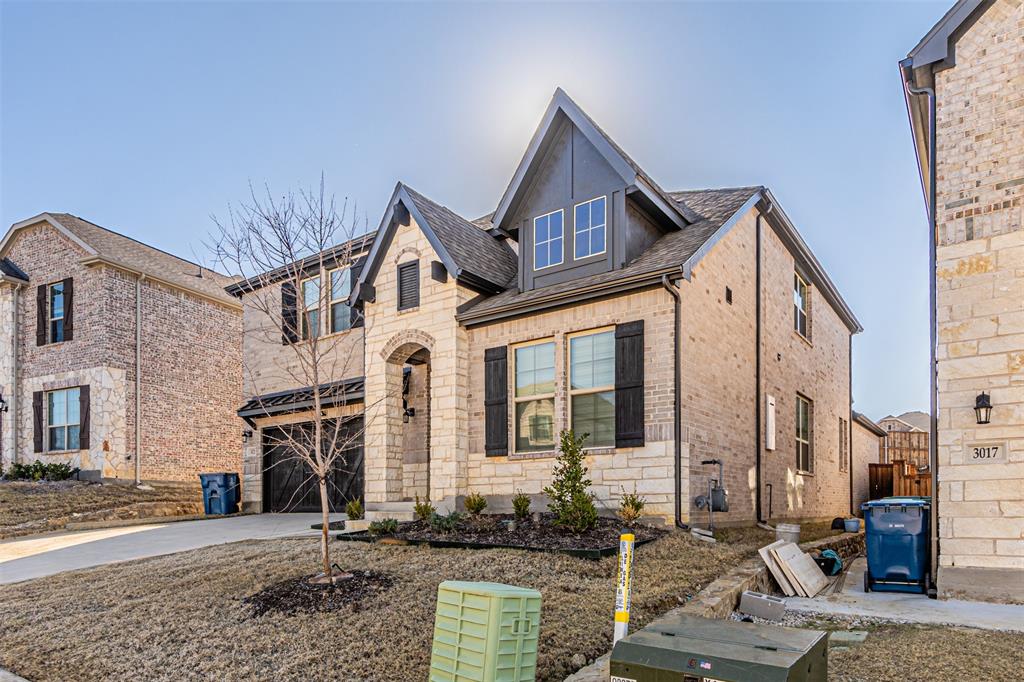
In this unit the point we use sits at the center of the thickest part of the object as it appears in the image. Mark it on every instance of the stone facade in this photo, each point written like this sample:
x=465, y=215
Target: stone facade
x=980, y=303
x=191, y=354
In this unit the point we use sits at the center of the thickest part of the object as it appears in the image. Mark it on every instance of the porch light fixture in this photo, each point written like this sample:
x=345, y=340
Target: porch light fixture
x=3, y=404
x=407, y=413
x=983, y=408
x=246, y=435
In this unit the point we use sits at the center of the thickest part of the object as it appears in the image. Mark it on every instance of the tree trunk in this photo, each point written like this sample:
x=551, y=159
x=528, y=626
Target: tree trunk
x=326, y=513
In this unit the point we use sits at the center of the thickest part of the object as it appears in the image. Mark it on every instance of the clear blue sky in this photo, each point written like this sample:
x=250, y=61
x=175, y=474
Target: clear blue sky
x=149, y=117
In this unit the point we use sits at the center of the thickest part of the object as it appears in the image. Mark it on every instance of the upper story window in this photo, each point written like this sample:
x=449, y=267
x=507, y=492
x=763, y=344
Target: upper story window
x=339, y=311
x=592, y=386
x=311, y=308
x=804, y=437
x=63, y=420
x=56, y=312
x=844, y=445
x=548, y=237
x=589, y=234
x=534, y=396
x=409, y=285
x=801, y=307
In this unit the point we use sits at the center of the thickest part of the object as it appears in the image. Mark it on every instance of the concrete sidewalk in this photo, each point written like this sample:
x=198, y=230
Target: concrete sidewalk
x=39, y=556
x=911, y=608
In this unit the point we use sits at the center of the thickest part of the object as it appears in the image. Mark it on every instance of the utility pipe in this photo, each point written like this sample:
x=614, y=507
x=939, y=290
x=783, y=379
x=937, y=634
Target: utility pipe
x=757, y=363
x=677, y=423
x=138, y=378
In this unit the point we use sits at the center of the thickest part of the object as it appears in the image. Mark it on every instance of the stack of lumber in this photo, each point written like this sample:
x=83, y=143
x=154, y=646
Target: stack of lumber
x=795, y=572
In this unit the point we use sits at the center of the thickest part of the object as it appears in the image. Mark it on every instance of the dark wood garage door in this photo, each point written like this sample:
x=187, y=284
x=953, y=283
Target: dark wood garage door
x=288, y=482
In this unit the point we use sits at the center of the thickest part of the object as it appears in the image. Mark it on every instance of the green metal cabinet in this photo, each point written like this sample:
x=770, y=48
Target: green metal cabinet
x=485, y=632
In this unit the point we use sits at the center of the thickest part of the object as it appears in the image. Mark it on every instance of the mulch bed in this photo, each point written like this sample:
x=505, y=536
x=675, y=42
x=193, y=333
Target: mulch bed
x=298, y=595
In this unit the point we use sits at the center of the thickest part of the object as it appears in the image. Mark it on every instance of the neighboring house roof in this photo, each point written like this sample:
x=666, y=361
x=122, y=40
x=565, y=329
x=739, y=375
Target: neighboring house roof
x=893, y=418
x=8, y=270
x=104, y=245
x=919, y=420
x=332, y=394
x=868, y=424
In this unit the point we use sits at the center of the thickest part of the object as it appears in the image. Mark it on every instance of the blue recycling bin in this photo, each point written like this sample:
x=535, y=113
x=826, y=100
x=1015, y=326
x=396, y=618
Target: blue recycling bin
x=220, y=493
x=897, y=537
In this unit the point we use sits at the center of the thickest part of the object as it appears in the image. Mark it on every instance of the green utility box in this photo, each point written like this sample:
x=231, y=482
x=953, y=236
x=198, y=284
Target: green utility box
x=693, y=649
x=485, y=632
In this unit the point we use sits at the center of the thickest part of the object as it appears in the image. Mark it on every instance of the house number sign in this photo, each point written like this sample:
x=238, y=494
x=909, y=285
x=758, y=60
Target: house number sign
x=985, y=453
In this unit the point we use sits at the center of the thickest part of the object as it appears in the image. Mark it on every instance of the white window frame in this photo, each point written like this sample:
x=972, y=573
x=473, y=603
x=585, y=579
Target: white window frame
x=331, y=301
x=805, y=309
x=49, y=313
x=573, y=392
x=808, y=439
x=561, y=258
x=516, y=400
x=304, y=322
x=604, y=227
x=66, y=423
x=844, y=445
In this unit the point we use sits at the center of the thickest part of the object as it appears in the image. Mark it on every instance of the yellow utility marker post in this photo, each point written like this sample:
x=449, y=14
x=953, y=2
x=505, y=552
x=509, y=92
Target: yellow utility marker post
x=623, y=586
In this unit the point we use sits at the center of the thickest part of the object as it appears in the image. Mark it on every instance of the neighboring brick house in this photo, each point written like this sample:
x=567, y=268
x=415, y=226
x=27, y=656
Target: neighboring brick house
x=964, y=84
x=868, y=443
x=71, y=354
x=674, y=327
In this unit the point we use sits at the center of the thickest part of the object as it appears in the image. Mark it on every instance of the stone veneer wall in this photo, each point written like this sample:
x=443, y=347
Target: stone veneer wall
x=980, y=299
x=865, y=449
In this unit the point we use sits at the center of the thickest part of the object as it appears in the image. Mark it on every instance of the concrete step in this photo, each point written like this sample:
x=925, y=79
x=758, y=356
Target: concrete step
x=400, y=511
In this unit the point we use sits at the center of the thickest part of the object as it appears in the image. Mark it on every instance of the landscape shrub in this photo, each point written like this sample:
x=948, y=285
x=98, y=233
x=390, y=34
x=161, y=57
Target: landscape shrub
x=631, y=507
x=572, y=503
x=445, y=523
x=521, y=505
x=475, y=503
x=424, y=509
x=383, y=527
x=38, y=471
x=354, y=510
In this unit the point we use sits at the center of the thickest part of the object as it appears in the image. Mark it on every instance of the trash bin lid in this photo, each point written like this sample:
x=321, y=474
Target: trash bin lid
x=898, y=502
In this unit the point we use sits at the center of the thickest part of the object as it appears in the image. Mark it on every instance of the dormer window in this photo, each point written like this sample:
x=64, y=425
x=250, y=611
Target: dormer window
x=589, y=235
x=547, y=240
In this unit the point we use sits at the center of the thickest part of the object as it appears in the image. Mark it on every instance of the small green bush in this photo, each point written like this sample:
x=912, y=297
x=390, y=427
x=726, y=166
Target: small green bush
x=354, y=510
x=383, y=527
x=572, y=503
x=38, y=471
x=424, y=509
x=631, y=507
x=445, y=523
x=475, y=503
x=521, y=505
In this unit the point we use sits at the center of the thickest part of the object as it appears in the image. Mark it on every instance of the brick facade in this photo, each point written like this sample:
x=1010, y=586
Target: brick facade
x=866, y=449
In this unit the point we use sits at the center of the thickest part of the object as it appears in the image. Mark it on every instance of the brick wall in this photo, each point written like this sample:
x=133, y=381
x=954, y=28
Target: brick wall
x=866, y=450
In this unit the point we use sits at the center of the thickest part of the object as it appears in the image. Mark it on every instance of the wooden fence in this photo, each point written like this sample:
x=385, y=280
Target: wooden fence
x=909, y=446
x=898, y=479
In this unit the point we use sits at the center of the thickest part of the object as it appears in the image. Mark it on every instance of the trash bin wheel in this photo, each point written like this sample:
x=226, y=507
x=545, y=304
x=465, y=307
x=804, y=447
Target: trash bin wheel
x=867, y=581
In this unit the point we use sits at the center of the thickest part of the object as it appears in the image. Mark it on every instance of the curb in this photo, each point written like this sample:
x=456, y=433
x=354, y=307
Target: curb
x=8, y=676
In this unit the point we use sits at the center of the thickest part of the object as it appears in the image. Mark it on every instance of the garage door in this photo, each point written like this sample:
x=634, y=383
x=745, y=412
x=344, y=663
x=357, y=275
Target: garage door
x=288, y=482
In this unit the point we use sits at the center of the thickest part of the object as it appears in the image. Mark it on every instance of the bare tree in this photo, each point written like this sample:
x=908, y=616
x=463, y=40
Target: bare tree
x=285, y=247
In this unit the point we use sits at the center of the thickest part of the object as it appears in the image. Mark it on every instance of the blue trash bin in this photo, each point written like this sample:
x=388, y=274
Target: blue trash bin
x=897, y=538
x=220, y=493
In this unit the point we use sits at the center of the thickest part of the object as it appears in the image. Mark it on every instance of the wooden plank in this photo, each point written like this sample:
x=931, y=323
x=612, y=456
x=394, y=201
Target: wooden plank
x=787, y=571
x=802, y=566
x=774, y=569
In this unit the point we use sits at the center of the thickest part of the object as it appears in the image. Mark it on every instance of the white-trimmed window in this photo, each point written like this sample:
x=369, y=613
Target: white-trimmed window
x=62, y=419
x=844, y=445
x=589, y=227
x=592, y=386
x=338, y=309
x=56, y=311
x=804, y=437
x=801, y=293
x=534, y=396
x=311, y=307
x=548, y=238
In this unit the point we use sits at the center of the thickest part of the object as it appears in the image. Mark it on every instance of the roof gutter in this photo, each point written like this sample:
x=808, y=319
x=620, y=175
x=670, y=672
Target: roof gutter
x=677, y=419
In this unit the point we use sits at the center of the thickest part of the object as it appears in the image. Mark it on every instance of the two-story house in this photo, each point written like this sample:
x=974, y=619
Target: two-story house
x=673, y=327
x=115, y=357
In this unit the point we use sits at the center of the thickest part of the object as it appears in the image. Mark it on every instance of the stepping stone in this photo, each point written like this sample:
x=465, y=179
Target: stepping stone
x=846, y=637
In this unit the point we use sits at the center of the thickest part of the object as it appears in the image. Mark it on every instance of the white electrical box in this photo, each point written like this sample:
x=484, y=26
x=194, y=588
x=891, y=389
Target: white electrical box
x=769, y=422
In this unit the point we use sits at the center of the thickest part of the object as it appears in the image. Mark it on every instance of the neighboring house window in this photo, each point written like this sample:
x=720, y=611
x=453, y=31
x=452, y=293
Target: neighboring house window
x=589, y=235
x=62, y=420
x=56, y=312
x=341, y=286
x=801, y=293
x=408, y=285
x=592, y=386
x=534, y=397
x=547, y=240
x=844, y=445
x=804, y=450
x=311, y=308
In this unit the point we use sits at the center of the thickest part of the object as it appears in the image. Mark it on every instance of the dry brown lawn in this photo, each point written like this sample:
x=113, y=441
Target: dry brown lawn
x=25, y=502
x=181, y=617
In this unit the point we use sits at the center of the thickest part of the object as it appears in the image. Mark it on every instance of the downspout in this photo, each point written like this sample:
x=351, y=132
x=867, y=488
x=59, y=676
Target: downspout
x=138, y=379
x=849, y=424
x=933, y=459
x=757, y=365
x=677, y=421
x=14, y=380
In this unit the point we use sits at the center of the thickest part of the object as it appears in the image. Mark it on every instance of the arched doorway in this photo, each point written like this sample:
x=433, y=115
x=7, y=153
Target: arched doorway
x=406, y=413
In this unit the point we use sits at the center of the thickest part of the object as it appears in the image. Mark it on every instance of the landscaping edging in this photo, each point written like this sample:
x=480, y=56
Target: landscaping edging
x=138, y=512
x=722, y=596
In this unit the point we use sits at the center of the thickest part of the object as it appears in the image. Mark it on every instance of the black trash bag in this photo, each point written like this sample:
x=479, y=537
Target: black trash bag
x=837, y=523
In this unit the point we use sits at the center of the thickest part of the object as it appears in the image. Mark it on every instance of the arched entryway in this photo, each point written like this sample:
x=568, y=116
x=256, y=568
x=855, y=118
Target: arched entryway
x=406, y=413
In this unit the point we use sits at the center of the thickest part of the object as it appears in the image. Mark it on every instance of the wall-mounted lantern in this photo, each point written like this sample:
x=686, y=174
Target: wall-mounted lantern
x=407, y=413
x=983, y=408
x=246, y=435
x=3, y=404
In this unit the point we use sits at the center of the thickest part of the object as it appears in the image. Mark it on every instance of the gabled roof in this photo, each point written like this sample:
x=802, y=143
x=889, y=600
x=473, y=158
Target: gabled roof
x=103, y=245
x=939, y=45
x=8, y=270
x=868, y=424
x=469, y=253
x=634, y=177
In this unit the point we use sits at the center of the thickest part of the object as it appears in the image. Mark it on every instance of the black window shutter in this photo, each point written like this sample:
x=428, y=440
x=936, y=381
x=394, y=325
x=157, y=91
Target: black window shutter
x=356, y=312
x=83, y=413
x=41, y=317
x=408, y=285
x=629, y=384
x=69, y=309
x=289, y=314
x=496, y=401
x=37, y=421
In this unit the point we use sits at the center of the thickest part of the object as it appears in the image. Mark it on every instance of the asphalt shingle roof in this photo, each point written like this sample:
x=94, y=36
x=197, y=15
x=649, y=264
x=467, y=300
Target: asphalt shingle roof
x=8, y=268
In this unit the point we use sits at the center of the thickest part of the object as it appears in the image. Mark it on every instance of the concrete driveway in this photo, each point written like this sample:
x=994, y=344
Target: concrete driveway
x=39, y=556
